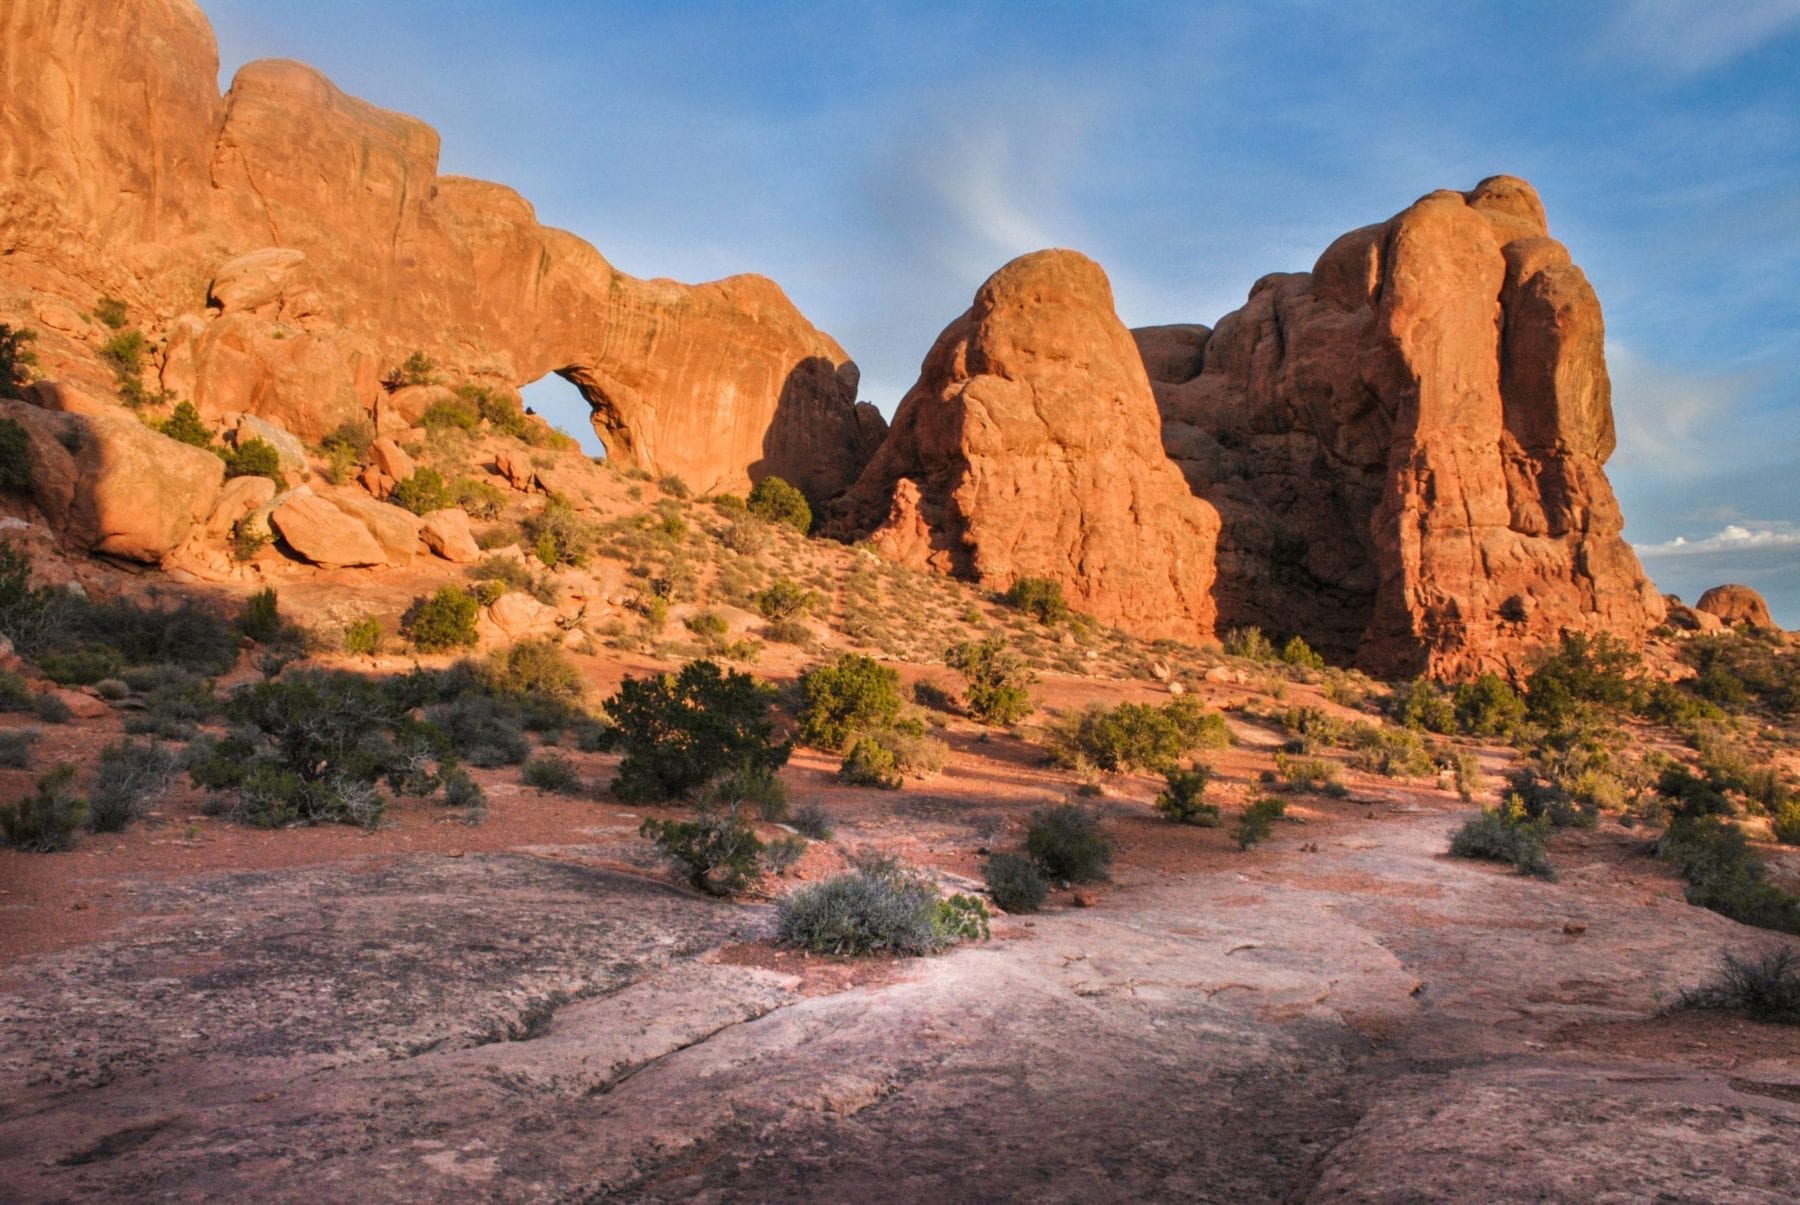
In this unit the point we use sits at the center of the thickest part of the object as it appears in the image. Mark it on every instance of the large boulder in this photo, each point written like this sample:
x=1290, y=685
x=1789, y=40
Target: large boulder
x=322, y=533
x=1406, y=444
x=1031, y=446
x=1734, y=604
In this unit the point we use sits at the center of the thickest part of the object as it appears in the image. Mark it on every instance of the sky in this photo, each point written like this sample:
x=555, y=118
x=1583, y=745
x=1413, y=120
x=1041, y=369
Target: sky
x=880, y=160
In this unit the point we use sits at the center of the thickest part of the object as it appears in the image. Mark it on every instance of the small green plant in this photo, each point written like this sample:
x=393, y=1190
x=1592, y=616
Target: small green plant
x=778, y=502
x=558, y=535
x=423, y=492
x=131, y=777
x=879, y=908
x=1066, y=843
x=1487, y=706
x=811, y=819
x=247, y=540
x=784, y=599
x=16, y=361
x=553, y=774
x=445, y=620
x=1305, y=773
x=478, y=498
x=15, y=457
x=46, y=820
x=962, y=918
x=1505, y=834
x=719, y=853
x=1182, y=802
x=680, y=731
x=708, y=625
x=1422, y=705
x=870, y=764
x=1764, y=986
x=1014, y=882
x=364, y=638
x=1039, y=597
x=254, y=458
x=16, y=745
x=261, y=619
x=417, y=369
x=111, y=312
x=999, y=681
x=1131, y=736
x=849, y=695
x=186, y=426
x=1257, y=821
x=1249, y=643
x=1297, y=653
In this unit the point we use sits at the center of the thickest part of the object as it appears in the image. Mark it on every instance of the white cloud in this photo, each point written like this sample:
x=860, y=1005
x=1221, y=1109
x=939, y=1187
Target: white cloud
x=1734, y=537
x=1687, y=37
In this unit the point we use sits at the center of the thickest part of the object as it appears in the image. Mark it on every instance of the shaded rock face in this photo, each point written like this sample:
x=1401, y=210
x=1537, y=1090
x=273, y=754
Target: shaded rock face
x=1734, y=604
x=1405, y=445
x=1031, y=446
x=287, y=244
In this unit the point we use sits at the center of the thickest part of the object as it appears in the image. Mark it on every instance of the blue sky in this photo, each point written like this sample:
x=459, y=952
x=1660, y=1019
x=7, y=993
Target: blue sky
x=880, y=160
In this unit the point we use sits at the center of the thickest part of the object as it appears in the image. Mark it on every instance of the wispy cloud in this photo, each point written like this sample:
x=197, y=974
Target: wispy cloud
x=1688, y=37
x=1667, y=419
x=1777, y=536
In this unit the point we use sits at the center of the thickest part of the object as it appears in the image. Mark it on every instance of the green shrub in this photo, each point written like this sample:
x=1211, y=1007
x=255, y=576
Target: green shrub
x=1582, y=674
x=1182, y=802
x=1505, y=834
x=16, y=360
x=186, y=426
x=1468, y=775
x=849, y=695
x=787, y=631
x=540, y=668
x=447, y=414
x=1390, y=752
x=462, y=791
x=1014, y=882
x=1039, y=597
x=784, y=599
x=708, y=625
x=1249, y=643
x=52, y=710
x=485, y=731
x=1312, y=728
x=777, y=501
x=1066, y=843
x=354, y=435
x=1297, y=653
x=1764, y=986
x=999, y=681
x=870, y=764
x=46, y=820
x=423, y=492
x=254, y=458
x=15, y=695
x=1306, y=773
x=1725, y=874
x=558, y=535
x=719, y=853
x=553, y=773
x=124, y=352
x=111, y=312
x=16, y=745
x=680, y=731
x=478, y=498
x=364, y=638
x=1199, y=728
x=82, y=666
x=1422, y=705
x=131, y=777
x=1257, y=821
x=445, y=620
x=1487, y=706
x=752, y=788
x=248, y=539
x=417, y=369
x=261, y=617
x=15, y=457
x=1786, y=823
x=875, y=909
x=1131, y=736
x=810, y=819
x=962, y=918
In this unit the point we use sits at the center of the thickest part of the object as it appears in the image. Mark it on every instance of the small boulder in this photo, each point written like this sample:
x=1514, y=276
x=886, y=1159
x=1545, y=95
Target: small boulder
x=390, y=458
x=518, y=614
x=515, y=466
x=82, y=705
x=447, y=534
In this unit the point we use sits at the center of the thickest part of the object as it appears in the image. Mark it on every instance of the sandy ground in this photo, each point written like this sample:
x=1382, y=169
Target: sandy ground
x=534, y=1009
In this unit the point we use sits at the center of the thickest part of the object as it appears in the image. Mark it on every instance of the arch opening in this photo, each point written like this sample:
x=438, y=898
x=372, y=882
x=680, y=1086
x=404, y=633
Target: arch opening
x=555, y=396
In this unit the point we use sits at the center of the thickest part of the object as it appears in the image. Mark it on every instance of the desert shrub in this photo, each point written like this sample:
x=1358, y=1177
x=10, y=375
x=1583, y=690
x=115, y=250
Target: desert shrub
x=1584, y=673
x=1039, y=597
x=680, y=731
x=486, y=732
x=417, y=369
x=1505, y=834
x=248, y=539
x=353, y=435
x=16, y=745
x=751, y=788
x=1131, y=736
x=191, y=635
x=186, y=426
x=364, y=638
x=787, y=631
x=451, y=414
x=1468, y=775
x=1066, y=843
x=1786, y=823
x=480, y=499
x=445, y=620
x=718, y=852
x=423, y=492
x=15, y=695
x=1423, y=706
x=871, y=764
x=999, y=681
x=131, y=777
x=51, y=710
x=1249, y=643
x=1183, y=802
x=16, y=360
x=260, y=620
x=1725, y=874
x=1199, y=728
x=1487, y=706
x=1390, y=752
x=1763, y=986
x=1691, y=794
x=1257, y=821
x=1297, y=653
x=875, y=909
x=462, y=791
x=743, y=537
x=540, y=668
x=83, y=665
x=849, y=695
x=784, y=599
x=780, y=854
x=558, y=535
x=811, y=819
x=15, y=456
x=1312, y=728
x=254, y=458
x=708, y=625
x=778, y=502
x=46, y=820
x=1744, y=669
x=675, y=487
x=553, y=773
x=1305, y=773
x=1014, y=882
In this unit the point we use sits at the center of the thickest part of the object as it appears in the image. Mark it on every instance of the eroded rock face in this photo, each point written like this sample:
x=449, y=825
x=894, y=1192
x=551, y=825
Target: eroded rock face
x=286, y=245
x=1735, y=604
x=1030, y=446
x=1406, y=444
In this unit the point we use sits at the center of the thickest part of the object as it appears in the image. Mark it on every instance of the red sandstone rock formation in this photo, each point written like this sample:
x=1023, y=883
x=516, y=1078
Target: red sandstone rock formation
x=287, y=244
x=1734, y=604
x=1030, y=447
x=1405, y=445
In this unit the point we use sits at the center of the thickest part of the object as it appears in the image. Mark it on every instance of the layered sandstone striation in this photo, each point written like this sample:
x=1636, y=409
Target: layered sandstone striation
x=1405, y=445
x=1031, y=446
x=285, y=245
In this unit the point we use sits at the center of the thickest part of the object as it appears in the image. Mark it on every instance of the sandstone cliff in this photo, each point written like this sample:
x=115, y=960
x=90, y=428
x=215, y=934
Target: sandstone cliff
x=1406, y=444
x=1030, y=446
x=285, y=245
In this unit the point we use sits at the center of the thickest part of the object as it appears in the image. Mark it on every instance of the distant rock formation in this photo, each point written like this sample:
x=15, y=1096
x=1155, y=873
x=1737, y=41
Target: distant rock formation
x=286, y=245
x=1405, y=445
x=1031, y=446
x=1734, y=604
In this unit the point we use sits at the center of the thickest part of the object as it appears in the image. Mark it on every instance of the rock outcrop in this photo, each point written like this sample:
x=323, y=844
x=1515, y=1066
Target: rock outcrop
x=1734, y=604
x=1031, y=446
x=1405, y=445
x=286, y=245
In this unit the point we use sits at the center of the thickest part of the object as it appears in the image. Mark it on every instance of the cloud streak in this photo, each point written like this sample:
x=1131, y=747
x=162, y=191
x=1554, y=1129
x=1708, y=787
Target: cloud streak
x=1733, y=537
